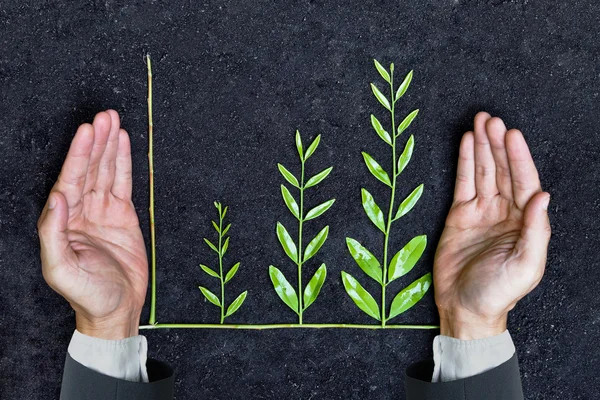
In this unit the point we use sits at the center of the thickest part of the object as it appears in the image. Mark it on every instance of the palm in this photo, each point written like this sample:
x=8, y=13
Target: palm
x=480, y=265
x=109, y=268
x=93, y=253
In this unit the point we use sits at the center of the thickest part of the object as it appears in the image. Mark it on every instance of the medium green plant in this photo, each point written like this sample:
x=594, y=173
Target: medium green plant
x=221, y=249
x=296, y=301
x=405, y=259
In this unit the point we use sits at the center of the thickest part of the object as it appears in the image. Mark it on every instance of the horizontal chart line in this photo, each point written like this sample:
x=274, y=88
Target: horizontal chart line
x=285, y=326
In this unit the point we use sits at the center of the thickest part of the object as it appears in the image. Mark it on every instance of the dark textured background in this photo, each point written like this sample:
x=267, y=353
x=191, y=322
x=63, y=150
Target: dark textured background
x=233, y=81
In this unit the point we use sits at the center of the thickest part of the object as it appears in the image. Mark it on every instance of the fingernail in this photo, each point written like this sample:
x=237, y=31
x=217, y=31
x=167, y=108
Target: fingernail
x=545, y=204
x=52, y=203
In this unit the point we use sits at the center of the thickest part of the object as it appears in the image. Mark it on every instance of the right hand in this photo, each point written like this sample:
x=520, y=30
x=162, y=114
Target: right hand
x=492, y=251
x=92, y=248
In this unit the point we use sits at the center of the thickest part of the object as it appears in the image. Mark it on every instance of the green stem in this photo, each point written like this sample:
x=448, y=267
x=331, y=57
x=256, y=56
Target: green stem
x=283, y=326
x=391, y=208
x=221, y=267
x=301, y=219
x=151, y=184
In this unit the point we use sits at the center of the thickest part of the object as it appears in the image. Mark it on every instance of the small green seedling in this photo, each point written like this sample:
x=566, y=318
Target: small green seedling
x=221, y=249
x=405, y=259
x=294, y=251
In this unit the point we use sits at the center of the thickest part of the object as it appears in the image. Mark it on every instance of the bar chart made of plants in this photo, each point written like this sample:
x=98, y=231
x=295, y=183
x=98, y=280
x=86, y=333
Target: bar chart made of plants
x=384, y=265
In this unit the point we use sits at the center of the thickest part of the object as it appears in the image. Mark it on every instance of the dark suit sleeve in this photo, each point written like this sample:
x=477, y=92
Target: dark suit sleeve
x=82, y=383
x=500, y=383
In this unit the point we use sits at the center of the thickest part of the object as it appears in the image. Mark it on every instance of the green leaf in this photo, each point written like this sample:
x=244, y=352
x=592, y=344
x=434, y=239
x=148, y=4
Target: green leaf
x=404, y=86
x=376, y=169
x=410, y=295
x=313, y=146
x=224, y=212
x=209, y=271
x=405, y=259
x=225, y=246
x=288, y=176
x=218, y=206
x=232, y=272
x=237, y=303
x=214, y=224
x=284, y=290
x=360, y=296
x=299, y=145
x=409, y=202
x=212, y=246
x=226, y=229
x=315, y=180
x=382, y=71
x=382, y=99
x=287, y=242
x=407, y=121
x=315, y=244
x=406, y=154
x=290, y=202
x=311, y=291
x=210, y=296
x=380, y=131
x=372, y=209
x=365, y=259
x=318, y=210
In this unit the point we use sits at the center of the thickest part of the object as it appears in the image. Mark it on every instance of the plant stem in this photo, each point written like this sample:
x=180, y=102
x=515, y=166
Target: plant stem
x=151, y=169
x=284, y=326
x=391, y=209
x=300, y=244
x=221, y=267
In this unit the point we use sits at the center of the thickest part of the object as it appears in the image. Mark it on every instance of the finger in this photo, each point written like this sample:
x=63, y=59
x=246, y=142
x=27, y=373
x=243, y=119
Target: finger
x=123, y=180
x=71, y=179
x=52, y=230
x=496, y=131
x=532, y=245
x=525, y=179
x=101, y=126
x=485, y=167
x=464, y=189
x=107, y=166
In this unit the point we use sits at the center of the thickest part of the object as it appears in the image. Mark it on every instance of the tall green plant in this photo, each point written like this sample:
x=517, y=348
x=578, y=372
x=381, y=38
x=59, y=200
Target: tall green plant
x=296, y=301
x=221, y=249
x=405, y=259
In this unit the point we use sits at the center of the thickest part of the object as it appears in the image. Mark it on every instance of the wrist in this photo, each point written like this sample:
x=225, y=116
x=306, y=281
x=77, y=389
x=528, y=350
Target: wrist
x=112, y=328
x=467, y=326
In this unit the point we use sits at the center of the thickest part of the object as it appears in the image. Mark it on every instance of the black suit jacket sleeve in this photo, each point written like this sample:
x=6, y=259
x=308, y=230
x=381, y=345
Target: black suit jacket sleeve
x=82, y=383
x=500, y=383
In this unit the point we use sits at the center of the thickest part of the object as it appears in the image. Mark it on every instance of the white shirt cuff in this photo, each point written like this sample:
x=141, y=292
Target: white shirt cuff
x=458, y=359
x=121, y=359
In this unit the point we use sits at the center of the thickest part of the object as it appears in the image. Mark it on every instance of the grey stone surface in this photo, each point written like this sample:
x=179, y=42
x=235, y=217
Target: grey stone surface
x=233, y=81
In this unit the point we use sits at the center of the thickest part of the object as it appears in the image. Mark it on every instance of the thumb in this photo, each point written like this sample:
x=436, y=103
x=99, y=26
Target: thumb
x=52, y=229
x=535, y=233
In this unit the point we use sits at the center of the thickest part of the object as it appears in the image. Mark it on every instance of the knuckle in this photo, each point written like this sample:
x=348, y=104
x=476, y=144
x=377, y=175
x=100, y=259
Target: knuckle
x=547, y=231
x=463, y=178
x=485, y=170
x=73, y=181
x=503, y=171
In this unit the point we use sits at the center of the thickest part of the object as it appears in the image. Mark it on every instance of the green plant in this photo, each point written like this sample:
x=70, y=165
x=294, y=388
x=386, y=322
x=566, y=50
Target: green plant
x=405, y=259
x=221, y=249
x=296, y=301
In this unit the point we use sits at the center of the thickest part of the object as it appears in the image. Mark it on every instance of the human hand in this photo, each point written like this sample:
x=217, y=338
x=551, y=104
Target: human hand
x=92, y=248
x=492, y=251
